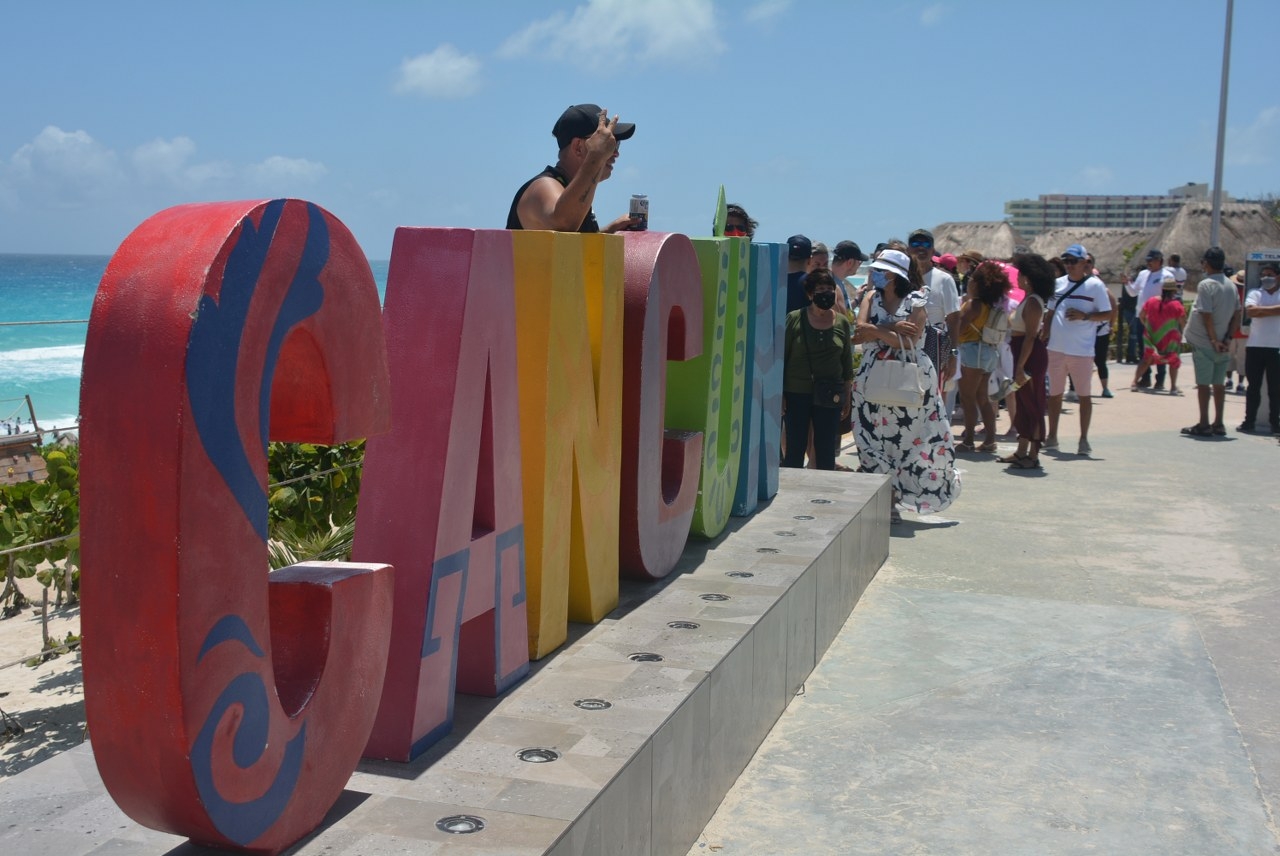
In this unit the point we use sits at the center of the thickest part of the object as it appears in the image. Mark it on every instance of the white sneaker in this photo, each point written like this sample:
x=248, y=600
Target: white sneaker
x=1050, y=444
x=1084, y=448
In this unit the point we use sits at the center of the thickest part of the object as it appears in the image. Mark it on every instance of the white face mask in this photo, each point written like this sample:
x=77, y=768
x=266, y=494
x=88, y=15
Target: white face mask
x=1269, y=283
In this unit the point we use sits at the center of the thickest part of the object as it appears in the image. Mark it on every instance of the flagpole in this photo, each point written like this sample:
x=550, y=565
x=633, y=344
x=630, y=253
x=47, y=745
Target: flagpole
x=1222, y=132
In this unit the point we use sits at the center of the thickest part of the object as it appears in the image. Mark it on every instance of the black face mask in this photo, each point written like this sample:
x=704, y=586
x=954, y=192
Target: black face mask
x=824, y=299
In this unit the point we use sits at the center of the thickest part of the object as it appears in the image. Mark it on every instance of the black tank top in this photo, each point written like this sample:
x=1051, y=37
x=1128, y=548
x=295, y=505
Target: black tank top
x=513, y=219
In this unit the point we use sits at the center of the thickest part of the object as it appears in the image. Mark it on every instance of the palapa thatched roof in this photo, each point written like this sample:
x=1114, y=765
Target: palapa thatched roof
x=994, y=239
x=1245, y=228
x=1108, y=247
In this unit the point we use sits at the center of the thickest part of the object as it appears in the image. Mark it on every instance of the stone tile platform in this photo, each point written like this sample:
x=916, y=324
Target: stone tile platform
x=738, y=628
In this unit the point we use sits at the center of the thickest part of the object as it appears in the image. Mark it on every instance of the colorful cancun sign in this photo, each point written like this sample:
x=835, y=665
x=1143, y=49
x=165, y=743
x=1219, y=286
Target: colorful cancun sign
x=545, y=412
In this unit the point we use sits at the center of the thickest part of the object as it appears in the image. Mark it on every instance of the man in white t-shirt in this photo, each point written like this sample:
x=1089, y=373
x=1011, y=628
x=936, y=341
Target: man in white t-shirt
x=1146, y=285
x=1081, y=302
x=1179, y=272
x=1262, y=353
x=942, y=307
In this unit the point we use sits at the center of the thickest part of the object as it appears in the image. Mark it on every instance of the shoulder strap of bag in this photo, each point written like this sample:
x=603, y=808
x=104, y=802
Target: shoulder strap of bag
x=1057, y=303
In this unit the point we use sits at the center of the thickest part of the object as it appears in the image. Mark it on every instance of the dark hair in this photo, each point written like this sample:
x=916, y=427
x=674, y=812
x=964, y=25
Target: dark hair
x=735, y=210
x=990, y=282
x=1039, y=273
x=816, y=277
x=1056, y=265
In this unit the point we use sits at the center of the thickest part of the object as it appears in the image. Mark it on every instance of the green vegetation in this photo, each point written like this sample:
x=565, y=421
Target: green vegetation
x=311, y=516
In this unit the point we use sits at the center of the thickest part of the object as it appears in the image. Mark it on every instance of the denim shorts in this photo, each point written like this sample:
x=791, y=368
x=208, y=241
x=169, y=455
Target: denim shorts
x=979, y=356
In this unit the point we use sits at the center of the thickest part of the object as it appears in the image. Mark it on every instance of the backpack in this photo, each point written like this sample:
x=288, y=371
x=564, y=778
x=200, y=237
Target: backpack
x=996, y=328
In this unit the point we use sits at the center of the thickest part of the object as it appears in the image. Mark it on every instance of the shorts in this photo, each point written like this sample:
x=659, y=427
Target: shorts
x=979, y=356
x=1210, y=366
x=1079, y=368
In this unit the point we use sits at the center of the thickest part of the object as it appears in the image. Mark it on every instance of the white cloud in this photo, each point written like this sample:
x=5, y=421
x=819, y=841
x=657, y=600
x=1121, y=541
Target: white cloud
x=1254, y=144
x=933, y=14
x=443, y=73
x=63, y=169
x=285, y=174
x=70, y=169
x=165, y=163
x=611, y=35
x=1096, y=177
x=767, y=10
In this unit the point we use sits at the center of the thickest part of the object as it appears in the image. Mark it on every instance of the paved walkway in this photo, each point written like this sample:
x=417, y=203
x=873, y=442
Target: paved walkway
x=1083, y=660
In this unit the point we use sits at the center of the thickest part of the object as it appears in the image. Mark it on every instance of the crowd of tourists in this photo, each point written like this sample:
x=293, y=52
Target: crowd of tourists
x=927, y=337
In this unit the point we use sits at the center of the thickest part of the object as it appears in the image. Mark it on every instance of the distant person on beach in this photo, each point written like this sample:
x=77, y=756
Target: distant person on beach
x=1214, y=317
x=984, y=323
x=1262, y=356
x=817, y=373
x=965, y=263
x=1030, y=359
x=1102, y=344
x=1236, y=347
x=911, y=445
x=799, y=248
x=1162, y=319
x=1179, y=272
x=737, y=223
x=1081, y=302
x=1145, y=286
x=845, y=261
x=942, y=307
x=819, y=257
x=559, y=198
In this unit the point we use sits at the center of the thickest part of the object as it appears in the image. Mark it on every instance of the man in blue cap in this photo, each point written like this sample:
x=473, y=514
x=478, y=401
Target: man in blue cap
x=559, y=198
x=1081, y=302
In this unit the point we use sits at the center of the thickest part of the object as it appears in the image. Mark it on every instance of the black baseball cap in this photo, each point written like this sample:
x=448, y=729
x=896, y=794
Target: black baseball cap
x=799, y=246
x=581, y=120
x=846, y=250
x=920, y=233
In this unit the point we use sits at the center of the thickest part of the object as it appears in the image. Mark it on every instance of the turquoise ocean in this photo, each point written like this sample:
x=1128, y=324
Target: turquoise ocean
x=43, y=360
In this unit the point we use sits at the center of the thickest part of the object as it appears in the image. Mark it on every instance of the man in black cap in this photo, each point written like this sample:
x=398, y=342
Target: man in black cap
x=845, y=261
x=559, y=198
x=799, y=248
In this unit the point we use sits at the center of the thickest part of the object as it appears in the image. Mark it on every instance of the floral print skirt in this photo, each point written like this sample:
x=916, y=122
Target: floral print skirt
x=912, y=445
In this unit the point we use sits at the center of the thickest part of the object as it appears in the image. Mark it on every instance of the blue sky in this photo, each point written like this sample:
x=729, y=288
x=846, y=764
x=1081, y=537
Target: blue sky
x=858, y=119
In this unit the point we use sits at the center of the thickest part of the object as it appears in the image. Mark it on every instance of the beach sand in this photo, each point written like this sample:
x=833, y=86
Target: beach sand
x=47, y=701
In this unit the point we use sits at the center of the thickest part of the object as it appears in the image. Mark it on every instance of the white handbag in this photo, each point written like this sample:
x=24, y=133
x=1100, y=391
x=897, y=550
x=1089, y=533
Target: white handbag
x=895, y=381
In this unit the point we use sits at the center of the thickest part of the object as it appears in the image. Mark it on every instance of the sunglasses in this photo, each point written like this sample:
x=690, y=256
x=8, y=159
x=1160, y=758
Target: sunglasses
x=919, y=245
x=733, y=230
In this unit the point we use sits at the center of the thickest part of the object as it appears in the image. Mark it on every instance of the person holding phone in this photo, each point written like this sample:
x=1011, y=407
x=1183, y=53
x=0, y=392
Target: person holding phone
x=559, y=198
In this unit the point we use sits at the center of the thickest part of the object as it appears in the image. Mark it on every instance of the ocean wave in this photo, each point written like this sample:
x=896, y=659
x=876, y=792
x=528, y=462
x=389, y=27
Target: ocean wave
x=36, y=365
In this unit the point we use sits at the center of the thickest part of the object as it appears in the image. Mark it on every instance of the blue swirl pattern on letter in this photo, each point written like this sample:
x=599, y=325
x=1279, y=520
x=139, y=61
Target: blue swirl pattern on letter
x=243, y=822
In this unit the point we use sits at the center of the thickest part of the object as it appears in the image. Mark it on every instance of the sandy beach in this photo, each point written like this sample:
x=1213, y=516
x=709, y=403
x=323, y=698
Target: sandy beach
x=47, y=700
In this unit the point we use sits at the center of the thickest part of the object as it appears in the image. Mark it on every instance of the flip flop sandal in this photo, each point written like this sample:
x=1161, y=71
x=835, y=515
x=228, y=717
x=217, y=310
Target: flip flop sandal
x=1027, y=464
x=1219, y=430
x=989, y=446
x=963, y=446
x=1012, y=459
x=1198, y=431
